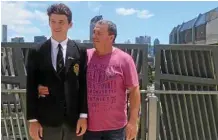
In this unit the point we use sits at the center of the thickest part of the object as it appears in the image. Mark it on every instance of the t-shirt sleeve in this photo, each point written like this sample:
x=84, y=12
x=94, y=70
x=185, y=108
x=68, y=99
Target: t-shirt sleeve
x=130, y=73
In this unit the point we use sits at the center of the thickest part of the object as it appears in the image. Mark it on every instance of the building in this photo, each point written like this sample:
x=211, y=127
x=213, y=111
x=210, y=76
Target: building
x=86, y=41
x=143, y=40
x=4, y=33
x=17, y=39
x=140, y=40
x=39, y=39
x=127, y=42
x=93, y=21
x=156, y=41
x=203, y=29
x=148, y=40
x=77, y=41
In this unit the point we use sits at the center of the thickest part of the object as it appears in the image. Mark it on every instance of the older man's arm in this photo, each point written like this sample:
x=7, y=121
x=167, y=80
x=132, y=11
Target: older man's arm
x=134, y=97
x=132, y=83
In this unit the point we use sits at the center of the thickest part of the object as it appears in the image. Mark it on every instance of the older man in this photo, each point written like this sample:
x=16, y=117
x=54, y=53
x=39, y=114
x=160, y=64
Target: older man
x=110, y=72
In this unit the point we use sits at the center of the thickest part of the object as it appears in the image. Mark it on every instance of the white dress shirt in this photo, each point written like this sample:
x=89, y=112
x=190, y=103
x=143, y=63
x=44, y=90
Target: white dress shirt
x=54, y=52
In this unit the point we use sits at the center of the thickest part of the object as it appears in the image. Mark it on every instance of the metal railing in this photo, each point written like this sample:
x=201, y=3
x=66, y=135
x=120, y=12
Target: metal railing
x=192, y=113
x=187, y=69
x=14, y=123
x=13, y=120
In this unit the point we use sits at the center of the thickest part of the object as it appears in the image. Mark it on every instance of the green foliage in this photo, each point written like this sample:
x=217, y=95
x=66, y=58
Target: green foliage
x=150, y=75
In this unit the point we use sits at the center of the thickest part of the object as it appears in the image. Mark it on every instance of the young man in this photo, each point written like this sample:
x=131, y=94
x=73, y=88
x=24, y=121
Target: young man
x=110, y=72
x=60, y=67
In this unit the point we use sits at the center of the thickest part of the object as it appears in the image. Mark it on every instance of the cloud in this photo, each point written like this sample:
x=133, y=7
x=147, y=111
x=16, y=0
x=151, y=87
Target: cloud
x=125, y=12
x=67, y=2
x=20, y=15
x=9, y=17
x=20, y=19
x=143, y=14
x=94, y=6
x=25, y=30
x=37, y=5
x=41, y=16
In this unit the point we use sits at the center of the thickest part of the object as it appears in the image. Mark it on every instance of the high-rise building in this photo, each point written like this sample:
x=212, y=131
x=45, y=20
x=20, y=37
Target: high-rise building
x=17, y=39
x=143, y=40
x=137, y=40
x=93, y=21
x=39, y=39
x=156, y=41
x=140, y=40
x=4, y=33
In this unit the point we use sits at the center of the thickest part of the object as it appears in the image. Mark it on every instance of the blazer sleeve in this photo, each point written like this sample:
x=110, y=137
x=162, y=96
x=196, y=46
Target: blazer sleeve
x=32, y=85
x=82, y=82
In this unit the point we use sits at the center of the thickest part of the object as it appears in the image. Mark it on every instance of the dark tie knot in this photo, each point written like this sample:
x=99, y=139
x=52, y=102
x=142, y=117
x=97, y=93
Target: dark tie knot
x=59, y=46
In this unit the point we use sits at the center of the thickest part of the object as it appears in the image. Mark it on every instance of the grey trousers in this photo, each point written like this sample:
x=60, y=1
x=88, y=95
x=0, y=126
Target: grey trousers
x=63, y=132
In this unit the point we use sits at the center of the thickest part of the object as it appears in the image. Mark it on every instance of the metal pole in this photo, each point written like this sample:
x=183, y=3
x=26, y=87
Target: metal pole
x=152, y=117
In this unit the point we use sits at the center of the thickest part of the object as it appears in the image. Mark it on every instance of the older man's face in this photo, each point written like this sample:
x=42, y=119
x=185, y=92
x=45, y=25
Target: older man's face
x=101, y=35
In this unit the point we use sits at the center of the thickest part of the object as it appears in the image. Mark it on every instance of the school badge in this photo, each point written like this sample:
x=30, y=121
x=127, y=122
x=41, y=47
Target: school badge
x=76, y=69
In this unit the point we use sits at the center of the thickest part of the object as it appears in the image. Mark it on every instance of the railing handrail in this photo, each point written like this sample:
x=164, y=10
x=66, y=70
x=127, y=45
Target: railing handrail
x=142, y=91
x=181, y=92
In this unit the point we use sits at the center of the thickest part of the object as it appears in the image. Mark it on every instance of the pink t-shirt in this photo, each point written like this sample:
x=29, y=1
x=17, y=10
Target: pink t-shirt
x=108, y=77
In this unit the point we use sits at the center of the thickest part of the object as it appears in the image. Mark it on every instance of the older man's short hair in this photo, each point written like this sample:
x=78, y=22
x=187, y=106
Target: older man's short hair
x=112, y=28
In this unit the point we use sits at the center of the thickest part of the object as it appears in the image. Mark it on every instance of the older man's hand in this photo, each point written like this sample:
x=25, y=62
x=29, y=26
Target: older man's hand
x=131, y=130
x=43, y=91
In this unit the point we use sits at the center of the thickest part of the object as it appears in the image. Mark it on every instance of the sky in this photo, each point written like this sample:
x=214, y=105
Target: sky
x=133, y=19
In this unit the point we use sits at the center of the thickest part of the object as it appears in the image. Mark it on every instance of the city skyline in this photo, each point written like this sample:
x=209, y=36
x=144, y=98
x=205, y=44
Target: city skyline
x=133, y=19
x=40, y=39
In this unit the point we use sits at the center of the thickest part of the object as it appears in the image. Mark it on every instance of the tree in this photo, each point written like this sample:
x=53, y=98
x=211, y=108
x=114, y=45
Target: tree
x=150, y=75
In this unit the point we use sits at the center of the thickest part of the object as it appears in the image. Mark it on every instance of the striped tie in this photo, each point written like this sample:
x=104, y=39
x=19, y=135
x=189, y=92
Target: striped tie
x=60, y=62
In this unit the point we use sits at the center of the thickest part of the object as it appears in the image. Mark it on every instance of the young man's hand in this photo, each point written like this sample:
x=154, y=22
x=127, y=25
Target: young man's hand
x=81, y=126
x=35, y=130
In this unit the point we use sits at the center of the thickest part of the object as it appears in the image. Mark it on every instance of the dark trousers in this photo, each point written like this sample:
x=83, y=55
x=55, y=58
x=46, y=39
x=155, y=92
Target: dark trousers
x=63, y=132
x=118, y=134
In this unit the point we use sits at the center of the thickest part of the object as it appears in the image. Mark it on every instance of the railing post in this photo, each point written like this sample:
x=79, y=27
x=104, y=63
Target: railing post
x=152, y=117
x=143, y=116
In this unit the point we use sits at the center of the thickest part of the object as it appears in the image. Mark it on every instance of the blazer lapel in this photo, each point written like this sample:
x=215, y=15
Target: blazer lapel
x=71, y=54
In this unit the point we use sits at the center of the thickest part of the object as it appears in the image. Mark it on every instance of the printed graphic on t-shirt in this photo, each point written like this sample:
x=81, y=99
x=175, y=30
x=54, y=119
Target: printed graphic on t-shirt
x=102, y=87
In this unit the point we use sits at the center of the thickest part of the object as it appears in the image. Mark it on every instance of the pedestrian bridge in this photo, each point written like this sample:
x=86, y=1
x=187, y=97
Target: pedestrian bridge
x=182, y=106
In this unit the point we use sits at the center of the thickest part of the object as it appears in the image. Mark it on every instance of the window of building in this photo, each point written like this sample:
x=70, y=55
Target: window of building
x=182, y=37
x=175, y=38
x=188, y=36
x=200, y=32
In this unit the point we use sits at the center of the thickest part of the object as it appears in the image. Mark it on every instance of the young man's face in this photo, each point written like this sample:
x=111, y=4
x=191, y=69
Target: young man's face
x=59, y=24
x=101, y=35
